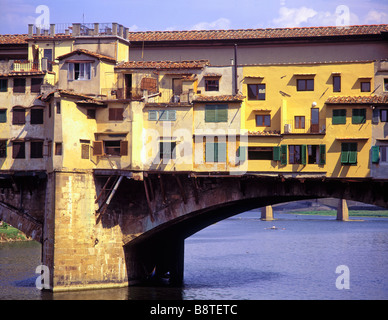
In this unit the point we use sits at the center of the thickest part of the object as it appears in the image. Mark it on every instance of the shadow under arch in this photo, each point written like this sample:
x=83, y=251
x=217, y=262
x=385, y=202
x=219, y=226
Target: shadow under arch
x=160, y=251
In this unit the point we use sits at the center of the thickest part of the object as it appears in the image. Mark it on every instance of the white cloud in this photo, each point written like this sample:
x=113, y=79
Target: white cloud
x=294, y=17
x=376, y=17
x=219, y=24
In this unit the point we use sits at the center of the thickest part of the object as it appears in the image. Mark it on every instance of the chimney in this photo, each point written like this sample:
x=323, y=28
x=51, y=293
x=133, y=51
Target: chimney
x=126, y=33
x=37, y=31
x=52, y=29
x=121, y=31
x=45, y=32
x=76, y=29
x=114, y=28
x=30, y=30
x=96, y=28
x=67, y=32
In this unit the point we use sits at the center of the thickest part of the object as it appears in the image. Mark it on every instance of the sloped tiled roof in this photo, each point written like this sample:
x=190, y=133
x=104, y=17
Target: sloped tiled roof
x=270, y=33
x=13, y=39
x=89, y=53
x=163, y=65
x=358, y=100
x=222, y=98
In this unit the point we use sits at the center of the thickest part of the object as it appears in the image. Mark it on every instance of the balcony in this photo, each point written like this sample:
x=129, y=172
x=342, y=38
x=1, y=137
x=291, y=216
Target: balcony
x=15, y=66
x=304, y=126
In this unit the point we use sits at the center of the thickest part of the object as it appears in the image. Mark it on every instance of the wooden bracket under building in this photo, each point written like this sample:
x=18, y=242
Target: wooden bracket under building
x=109, y=192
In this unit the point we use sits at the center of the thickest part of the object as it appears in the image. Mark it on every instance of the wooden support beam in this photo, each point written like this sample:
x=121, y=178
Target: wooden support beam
x=148, y=199
x=162, y=188
x=195, y=188
x=182, y=191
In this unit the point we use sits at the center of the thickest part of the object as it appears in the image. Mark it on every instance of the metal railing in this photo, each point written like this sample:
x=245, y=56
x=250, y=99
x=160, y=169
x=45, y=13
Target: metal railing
x=304, y=126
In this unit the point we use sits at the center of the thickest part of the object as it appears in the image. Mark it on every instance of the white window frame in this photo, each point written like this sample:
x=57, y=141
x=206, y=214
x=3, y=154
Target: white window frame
x=85, y=71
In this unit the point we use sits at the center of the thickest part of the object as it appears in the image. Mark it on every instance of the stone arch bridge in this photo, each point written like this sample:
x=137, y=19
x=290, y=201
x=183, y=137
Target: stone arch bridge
x=110, y=228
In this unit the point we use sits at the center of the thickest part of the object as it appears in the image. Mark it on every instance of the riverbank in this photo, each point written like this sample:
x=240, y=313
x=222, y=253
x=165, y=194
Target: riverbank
x=11, y=234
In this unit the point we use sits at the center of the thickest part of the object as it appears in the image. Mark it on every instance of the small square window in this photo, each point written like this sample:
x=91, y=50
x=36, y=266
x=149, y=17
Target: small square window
x=3, y=85
x=365, y=86
x=336, y=83
x=18, y=150
x=3, y=148
x=256, y=91
x=3, y=115
x=36, y=149
x=212, y=85
x=19, y=85
x=299, y=122
x=36, y=116
x=58, y=148
x=263, y=120
x=305, y=84
x=91, y=113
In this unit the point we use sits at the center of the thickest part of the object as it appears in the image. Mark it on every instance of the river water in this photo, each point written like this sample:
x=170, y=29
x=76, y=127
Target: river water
x=244, y=258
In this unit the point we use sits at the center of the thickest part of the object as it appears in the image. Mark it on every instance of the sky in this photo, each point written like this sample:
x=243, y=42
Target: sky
x=168, y=15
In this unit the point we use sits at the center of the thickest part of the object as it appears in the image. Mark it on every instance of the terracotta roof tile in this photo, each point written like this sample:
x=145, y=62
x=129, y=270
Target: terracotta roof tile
x=270, y=33
x=164, y=65
x=89, y=53
x=13, y=39
x=222, y=98
x=358, y=100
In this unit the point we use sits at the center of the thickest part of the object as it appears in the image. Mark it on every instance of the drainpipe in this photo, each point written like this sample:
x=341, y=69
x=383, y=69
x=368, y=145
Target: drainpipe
x=235, y=70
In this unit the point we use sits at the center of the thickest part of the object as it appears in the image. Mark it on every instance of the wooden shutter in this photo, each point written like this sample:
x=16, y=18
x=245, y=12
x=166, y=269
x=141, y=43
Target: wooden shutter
x=210, y=113
x=123, y=148
x=344, y=153
x=209, y=152
x=163, y=115
x=152, y=115
x=19, y=116
x=241, y=154
x=98, y=148
x=358, y=116
x=276, y=153
x=322, y=154
x=375, y=154
x=116, y=114
x=303, y=152
x=84, y=151
x=283, y=154
x=171, y=115
x=222, y=113
x=339, y=116
x=353, y=153
x=221, y=152
x=3, y=116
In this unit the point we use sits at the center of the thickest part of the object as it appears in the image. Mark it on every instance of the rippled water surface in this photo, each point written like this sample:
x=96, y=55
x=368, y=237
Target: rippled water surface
x=245, y=258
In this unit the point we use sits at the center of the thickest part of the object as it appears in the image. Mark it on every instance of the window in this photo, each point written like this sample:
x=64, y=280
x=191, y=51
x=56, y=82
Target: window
x=110, y=147
x=358, y=116
x=305, y=84
x=299, y=122
x=36, y=116
x=263, y=120
x=91, y=113
x=212, y=85
x=316, y=154
x=280, y=154
x=386, y=84
x=58, y=103
x=215, y=152
x=3, y=115
x=295, y=154
x=35, y=84
x=383, y=115
x=19, y=116
x=260, y=153
x=384, y=154
x=3, y=148
x=216, y=113
x=336, y=83
x=36, y=149
x=79, y=71
x=365, y=86
x=162, y=115
x=116, y=114
x=58, y=148
x=85, y=150
x=19, y=85
x=256, y=91
x=167, y=150
x=349, y=153
x=18, y=150
x=339, y=116
x=3, y=85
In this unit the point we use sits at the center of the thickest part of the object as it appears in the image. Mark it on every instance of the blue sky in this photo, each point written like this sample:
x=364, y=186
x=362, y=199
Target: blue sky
x=143, y=15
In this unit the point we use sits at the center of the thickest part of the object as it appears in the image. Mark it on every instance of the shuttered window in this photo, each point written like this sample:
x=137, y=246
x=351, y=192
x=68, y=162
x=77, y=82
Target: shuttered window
x=283, y=154
x=358, y=116
x=167, y=150
x=36, y=84
x=3, y=85
x=242, y=154
x=98, y=148
x=322, y=154
x=3, y=148
x=215, y=152
x=162, y=115
x=339, y=116
x=18, y=150
x=116, y=114
x=36, y=116
x=3, y=115
x=349, y=153
x=18, y=116
x=276, y=154
x=36, y=149
x=19, y=85
x=85, y=151
x=216, y=113
x=375, y=154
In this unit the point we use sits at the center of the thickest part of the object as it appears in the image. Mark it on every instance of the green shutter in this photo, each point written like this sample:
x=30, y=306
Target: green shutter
x=283, y=152
x=276, y=153
x=3, y=116
x=375, y=154
x=344, y=153
x=3, y=85
x=242, y=154
x=339, y=116
x=210, y=113
x=352, y=153
x=222, y=113
x=303, y=153
x=221, y=152
x=171, y=115
x=322, y=154
x=163, y=115
x=358, y=116
x=209, y=152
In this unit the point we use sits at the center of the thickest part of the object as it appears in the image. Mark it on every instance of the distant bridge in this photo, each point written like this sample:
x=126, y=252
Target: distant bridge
x=113, y=228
